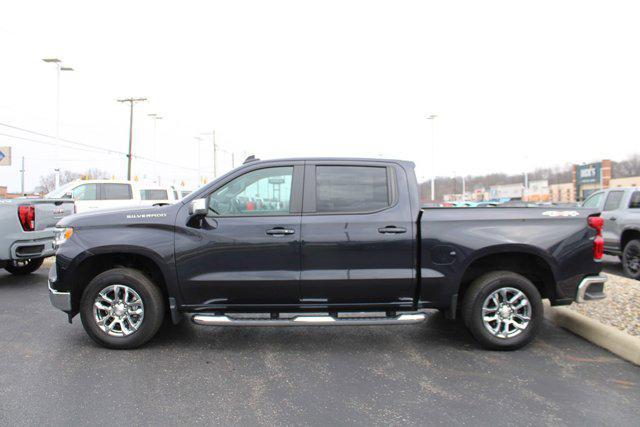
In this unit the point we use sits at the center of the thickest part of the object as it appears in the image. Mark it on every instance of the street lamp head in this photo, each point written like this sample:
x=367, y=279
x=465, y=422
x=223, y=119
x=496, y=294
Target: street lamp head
x=131, y=99
x=431, y=116
x=66, y=69
x=56, y=60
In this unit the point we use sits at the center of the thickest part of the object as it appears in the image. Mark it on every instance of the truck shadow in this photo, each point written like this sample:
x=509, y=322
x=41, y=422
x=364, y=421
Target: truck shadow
x=8, y=280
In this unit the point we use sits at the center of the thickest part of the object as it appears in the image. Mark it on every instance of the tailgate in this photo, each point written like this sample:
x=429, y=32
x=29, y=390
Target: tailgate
x=50, y=211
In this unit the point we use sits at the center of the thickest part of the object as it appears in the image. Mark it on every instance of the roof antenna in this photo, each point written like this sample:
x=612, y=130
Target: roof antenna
x=251, y=158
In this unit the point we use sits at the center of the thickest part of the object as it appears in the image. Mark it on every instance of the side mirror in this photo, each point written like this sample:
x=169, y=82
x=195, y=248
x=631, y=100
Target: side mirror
x=67, y=195
x=198, y=207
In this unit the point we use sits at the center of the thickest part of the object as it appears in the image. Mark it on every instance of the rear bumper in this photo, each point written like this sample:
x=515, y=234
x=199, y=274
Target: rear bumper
x=591, y=288
x=33, y=248
x=60, y=300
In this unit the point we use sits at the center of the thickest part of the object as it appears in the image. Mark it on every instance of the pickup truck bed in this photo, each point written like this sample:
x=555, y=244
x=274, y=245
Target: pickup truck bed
x=294, y=236
x=27, y=231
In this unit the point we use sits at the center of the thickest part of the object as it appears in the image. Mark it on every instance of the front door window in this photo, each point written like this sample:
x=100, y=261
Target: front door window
x=260, y=192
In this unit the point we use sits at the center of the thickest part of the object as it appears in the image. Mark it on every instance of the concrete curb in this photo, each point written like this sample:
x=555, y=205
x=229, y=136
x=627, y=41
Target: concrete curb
x=624, y=345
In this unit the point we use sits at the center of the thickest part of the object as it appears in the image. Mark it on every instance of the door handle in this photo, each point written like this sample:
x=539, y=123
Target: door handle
x=613, y=218
x=280, y=231
x=390, y=229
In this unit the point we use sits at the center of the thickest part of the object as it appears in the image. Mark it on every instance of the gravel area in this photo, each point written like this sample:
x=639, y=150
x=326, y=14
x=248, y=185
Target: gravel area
x=621, y=308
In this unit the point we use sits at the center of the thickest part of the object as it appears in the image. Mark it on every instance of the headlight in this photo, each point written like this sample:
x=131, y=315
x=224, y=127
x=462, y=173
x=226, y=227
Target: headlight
x=62, y=235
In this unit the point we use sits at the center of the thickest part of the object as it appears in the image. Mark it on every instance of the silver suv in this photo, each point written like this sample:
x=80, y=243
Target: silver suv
x=621, y=212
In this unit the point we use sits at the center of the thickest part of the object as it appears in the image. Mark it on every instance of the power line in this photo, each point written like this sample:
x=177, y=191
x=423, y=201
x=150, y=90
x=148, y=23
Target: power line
x=90, y=148
x=62, y=139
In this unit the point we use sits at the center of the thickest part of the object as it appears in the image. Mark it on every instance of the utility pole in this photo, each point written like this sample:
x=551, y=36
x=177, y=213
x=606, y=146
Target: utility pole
x=432, y=117
x=212, y=134
x=131, y=101
x=155, y=118
x=59, y=68
x=215, y=155
x=197, y=138
x=22, y=177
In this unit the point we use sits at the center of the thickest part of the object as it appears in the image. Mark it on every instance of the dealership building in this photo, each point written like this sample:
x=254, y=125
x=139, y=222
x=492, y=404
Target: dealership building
x=589, y=178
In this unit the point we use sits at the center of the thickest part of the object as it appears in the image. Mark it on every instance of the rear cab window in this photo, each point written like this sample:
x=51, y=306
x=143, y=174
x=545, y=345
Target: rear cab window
x=116, y=191
x=351, y=189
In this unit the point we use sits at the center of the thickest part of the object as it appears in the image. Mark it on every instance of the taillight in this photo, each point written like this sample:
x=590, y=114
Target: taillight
x=27, y=217
x=598, y=242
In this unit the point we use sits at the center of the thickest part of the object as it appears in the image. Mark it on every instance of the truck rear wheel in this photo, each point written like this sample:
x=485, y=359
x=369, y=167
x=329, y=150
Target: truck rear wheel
x=24, y=266
x=121, y=308
x=502, y=310
x=631, y=259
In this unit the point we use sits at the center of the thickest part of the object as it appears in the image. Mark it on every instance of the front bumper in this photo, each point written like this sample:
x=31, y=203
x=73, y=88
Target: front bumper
x=591, y=288
x=60, y=300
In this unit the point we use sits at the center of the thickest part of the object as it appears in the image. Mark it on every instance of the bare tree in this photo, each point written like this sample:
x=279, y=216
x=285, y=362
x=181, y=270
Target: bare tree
x=47, y=182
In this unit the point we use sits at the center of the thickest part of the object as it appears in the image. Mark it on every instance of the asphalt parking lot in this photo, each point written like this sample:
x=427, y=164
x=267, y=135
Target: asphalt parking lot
x=51, y=373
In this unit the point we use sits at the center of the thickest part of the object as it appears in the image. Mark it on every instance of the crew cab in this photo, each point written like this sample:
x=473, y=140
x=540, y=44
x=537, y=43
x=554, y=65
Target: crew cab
x=313, y=241
x=27, y=231
x=621, y=213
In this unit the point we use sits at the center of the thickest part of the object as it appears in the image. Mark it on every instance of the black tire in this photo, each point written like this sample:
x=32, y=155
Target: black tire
x=152, y=300
x=23, y=267
x=475, y=296
x=631, y=259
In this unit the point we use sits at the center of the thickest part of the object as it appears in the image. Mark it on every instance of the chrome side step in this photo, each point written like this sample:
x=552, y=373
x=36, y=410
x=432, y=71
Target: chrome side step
x=218, y=320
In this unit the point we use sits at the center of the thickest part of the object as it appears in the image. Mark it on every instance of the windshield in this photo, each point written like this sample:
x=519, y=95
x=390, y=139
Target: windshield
x=60, y=191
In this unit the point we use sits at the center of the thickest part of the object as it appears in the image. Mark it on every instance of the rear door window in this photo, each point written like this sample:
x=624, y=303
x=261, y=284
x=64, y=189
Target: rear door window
x=613, y=200
x=116, y=192
x=351, y=189
x=154, y=195
x=634, y=202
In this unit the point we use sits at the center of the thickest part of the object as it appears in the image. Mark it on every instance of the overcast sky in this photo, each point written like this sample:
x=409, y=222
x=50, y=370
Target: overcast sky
x=516, y=85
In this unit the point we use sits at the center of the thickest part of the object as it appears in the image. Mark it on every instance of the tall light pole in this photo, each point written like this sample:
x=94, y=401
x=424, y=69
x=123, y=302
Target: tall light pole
x=59, y=68
x=432, y=117
x=155, y=118
x=464, y=189
x=131, y=101
x=215, y=151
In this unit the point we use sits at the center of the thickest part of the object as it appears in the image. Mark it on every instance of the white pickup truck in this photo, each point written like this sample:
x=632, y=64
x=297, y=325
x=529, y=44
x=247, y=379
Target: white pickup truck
x=90, y=195
x=27, y=231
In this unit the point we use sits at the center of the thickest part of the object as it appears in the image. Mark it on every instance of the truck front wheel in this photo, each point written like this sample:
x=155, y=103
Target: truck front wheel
x=121, y=308
x=502, y=310
x=24, y=266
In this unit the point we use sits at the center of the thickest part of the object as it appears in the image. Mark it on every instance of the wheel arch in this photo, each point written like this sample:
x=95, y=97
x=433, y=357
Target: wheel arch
x=628, y=235
x=105, y=258
x=528, y=261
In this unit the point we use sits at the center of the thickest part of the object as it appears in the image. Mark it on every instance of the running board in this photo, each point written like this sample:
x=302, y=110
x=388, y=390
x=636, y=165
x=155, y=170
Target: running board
x=217, y=320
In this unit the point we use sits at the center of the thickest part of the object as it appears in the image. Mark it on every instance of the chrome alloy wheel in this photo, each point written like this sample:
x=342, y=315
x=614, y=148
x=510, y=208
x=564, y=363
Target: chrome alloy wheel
x=506, y=312
x=118, y=310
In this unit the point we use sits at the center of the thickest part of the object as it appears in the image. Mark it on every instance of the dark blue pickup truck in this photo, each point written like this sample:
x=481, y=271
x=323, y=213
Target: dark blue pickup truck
x=313, y=241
